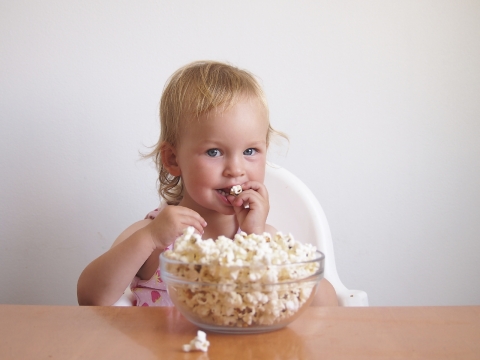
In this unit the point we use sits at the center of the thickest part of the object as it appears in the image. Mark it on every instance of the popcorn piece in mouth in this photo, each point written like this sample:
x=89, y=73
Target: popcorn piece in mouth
x=200, y=342
x=236, y=190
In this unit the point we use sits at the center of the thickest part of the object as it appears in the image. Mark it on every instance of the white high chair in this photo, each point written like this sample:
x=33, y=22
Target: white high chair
x=294, y=209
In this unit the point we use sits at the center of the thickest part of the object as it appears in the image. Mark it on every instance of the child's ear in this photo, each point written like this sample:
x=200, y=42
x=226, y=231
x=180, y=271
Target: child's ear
x=169, y=159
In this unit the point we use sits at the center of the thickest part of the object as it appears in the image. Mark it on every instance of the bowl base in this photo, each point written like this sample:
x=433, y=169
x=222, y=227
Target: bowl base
x=239, y=330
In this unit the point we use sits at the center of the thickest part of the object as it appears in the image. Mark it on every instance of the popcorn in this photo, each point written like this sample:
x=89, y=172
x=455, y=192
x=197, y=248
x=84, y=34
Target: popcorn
x=200, y=342
x=236, y=190
x=248, y=281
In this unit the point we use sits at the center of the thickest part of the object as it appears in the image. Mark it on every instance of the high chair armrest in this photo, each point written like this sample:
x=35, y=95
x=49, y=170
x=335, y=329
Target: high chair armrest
x=352, y=298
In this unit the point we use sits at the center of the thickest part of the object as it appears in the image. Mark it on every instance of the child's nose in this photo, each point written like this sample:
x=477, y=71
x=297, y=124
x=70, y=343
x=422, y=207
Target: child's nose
x=234, y=168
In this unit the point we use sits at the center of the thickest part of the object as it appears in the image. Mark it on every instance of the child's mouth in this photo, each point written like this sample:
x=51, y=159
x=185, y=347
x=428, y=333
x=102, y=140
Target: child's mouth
x=223, y=192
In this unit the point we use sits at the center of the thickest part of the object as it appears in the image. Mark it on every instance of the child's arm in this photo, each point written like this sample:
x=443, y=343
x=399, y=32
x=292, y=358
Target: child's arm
x=134, y=252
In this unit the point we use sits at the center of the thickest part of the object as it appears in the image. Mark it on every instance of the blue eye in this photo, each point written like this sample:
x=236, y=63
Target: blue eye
x=249, y=152
x=213, y=152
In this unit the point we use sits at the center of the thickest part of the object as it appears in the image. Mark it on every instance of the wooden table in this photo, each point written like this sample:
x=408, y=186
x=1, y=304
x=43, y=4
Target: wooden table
x=71, y=332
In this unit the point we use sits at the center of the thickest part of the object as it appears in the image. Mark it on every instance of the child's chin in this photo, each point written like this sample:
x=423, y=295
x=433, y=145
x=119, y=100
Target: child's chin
x=226, y=210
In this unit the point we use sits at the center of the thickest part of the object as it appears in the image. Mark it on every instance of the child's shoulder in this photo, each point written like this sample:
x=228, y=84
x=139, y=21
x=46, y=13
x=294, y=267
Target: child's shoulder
x=153, y=214
x=139, y=224
x=130, y=230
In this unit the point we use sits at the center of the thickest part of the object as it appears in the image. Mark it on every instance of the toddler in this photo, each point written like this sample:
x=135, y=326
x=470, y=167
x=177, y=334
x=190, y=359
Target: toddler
x=215, y=132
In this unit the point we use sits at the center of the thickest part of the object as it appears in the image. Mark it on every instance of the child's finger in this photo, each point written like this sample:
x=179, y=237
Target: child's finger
x=195, y=224
x=255, y=186
x=193, y=215
x=249, y=199
x=182, y=217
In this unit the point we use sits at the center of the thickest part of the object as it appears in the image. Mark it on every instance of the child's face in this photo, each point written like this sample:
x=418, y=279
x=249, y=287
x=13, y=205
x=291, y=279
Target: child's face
x=220, y=150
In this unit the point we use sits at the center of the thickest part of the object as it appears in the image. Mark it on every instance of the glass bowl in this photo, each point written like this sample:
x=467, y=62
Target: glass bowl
x=242, y=299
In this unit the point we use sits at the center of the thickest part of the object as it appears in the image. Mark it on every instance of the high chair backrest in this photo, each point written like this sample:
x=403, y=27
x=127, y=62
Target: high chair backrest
x=294, y=209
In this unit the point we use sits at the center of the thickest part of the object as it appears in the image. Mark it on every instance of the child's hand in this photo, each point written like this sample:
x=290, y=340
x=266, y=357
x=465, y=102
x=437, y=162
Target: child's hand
x=170, y=223
x=251, y=219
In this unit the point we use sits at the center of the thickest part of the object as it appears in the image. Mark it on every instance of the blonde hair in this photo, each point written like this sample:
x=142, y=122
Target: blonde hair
x=191, y=92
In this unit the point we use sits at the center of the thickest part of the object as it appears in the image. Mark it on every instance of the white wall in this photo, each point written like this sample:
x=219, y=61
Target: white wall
x=380, y=99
